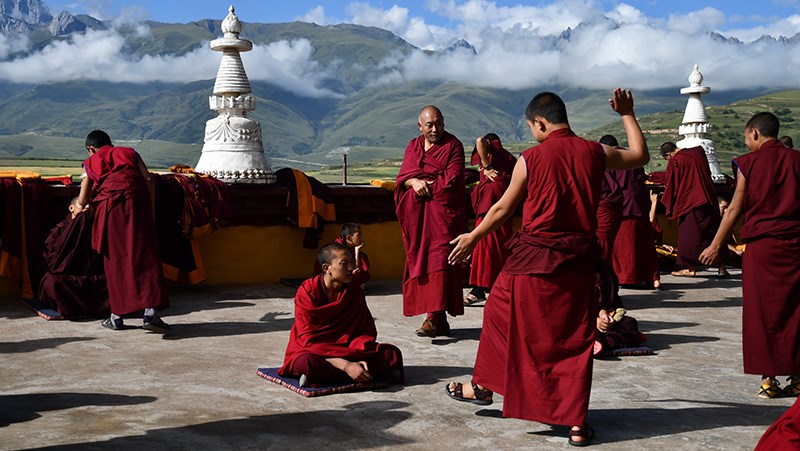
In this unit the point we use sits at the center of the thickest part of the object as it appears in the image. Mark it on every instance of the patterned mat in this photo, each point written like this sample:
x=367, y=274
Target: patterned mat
x=45, y=312
x=271, y=374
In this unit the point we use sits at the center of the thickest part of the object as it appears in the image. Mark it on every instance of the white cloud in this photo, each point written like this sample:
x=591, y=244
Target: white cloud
x=316, y=15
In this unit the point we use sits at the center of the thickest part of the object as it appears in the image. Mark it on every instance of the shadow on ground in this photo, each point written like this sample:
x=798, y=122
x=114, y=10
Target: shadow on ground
x=18, y=347
x=20, y=408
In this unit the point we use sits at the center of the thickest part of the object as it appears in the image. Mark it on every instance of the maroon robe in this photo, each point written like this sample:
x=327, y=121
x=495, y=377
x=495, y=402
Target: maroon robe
x=771, y=263
x=428, y=225
x=609, y=213
x=784, y=434
x=490, y=254
x=690, y=197
x=342, y=328
x=634, y=259
x=124, y=232
x=539, y=323
x=75, y=284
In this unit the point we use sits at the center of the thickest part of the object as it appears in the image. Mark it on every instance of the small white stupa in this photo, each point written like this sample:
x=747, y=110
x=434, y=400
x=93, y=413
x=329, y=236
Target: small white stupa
x=695, y=124
x=233, y=149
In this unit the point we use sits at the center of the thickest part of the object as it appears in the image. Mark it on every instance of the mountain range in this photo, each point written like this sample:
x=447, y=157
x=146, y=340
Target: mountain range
x=373, y=121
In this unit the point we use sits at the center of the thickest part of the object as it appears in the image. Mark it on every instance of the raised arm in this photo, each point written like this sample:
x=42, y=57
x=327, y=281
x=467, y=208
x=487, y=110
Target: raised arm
x=637, y=154
x=495, y=217
x=732, y=215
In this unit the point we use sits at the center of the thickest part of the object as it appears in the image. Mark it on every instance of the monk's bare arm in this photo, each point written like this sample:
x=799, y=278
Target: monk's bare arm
x=85, y=194
x=356, y=370
x=637, y=154
x=495, y=217
x=482, y=147
x=732, y=215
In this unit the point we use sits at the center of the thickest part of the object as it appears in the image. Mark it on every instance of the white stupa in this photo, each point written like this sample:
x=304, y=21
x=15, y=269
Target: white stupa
x=695, y=124
x=233, y=149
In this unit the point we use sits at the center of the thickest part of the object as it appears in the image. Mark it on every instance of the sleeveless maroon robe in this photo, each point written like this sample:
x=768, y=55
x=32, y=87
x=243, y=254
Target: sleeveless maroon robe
x=771, y=262
x=634, y=259
x=124, y=232
x=428, y=225
x=690, y=197
x=490, y=254
x=342, y=328
x=539, y=323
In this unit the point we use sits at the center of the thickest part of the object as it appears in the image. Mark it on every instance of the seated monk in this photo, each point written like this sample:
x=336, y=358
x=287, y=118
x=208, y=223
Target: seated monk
x=332, y=341
x=615, y=329
x=75, y=283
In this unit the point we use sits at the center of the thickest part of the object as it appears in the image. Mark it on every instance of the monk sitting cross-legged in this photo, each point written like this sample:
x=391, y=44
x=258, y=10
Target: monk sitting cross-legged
x=332, y=341
x=539, y=323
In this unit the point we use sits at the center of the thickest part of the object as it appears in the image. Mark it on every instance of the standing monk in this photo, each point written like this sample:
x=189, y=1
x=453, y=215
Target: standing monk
x=609, y=211
x=538, y=326
x=768, y=194
x=124, y=231
x=430, y=199
x=496, y=165
x=690, y=197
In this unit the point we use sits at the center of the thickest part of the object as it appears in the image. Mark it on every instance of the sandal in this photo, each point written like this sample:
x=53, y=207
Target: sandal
x=470, y=299
x=793, y=389
x=483, y=396
x=684, y=273
x=773, y=390
x=586, y=432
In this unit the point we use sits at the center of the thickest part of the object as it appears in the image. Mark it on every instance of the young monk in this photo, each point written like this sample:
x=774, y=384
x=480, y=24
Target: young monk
x=430, y=199
x=496, y=165
x=124, y=231
x=332, y=341
x=75, y=283
x=352, y=238
x=538, y=327
x=768, y=194
x=690, y=197
x=633, y=258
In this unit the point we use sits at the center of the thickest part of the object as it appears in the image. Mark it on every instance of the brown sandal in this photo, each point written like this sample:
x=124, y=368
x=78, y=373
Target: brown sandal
x=483, y=396
x=586, y=432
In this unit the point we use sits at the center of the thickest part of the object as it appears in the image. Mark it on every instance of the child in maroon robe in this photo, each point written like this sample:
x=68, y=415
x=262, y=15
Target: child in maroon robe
x=768, y=195
x=352, y=238
x=539, y=325
x=496, y=165
x=332, y=341
x=124, y=231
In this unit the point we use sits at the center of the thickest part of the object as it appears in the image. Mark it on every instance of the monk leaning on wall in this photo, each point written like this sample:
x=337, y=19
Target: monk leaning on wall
x=539, y=324
x=118, y=188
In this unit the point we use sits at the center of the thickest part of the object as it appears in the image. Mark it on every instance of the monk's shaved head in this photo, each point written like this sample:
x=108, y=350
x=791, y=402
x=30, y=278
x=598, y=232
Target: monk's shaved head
x=549, y=107
x=609, y=140
x=329, y=252
x=97, y=139
x=431, y=123
x=766, y=123
x=667, y=148
x=432, y=109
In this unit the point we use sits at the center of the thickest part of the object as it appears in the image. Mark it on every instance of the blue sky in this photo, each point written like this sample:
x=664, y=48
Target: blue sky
x=640, y=45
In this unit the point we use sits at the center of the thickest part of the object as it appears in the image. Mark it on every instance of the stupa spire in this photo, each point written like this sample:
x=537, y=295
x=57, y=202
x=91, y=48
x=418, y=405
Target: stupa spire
x=695, y=126
x=233, y=150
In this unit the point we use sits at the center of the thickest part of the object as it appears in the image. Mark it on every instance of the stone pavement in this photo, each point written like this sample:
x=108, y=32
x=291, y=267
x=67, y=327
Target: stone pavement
x=78, y=385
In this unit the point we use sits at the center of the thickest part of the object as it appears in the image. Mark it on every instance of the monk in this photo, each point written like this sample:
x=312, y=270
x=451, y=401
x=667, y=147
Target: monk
x=124, y=230
x=430, y=199
x=632, y=257
x=495, y=166
x=609, y=212
x=768, y=195
x=787, y=141
x=690, y=197
x=74, y=284
x=352, y=238
x=784, y=434
x=539, y=324
x=332, y=341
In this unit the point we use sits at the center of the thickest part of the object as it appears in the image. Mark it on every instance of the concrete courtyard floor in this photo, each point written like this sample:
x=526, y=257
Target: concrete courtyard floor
x=75, y=384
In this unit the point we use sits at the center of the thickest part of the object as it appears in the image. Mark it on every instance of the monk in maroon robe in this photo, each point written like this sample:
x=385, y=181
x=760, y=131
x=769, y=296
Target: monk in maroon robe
x=768, y=194
x=495, y=166
x=784, y=434
x=332, y=341
x=690, y=197
x=538, y=326
x=124, y=230
x=634, y=258
x=430, y=199
x=75, y=283
x=609, y=211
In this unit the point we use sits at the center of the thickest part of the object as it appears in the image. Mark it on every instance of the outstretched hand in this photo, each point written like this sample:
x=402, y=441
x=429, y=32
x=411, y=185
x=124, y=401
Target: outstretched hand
x=622, y=102
x=708, y=255
x=464, y=245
